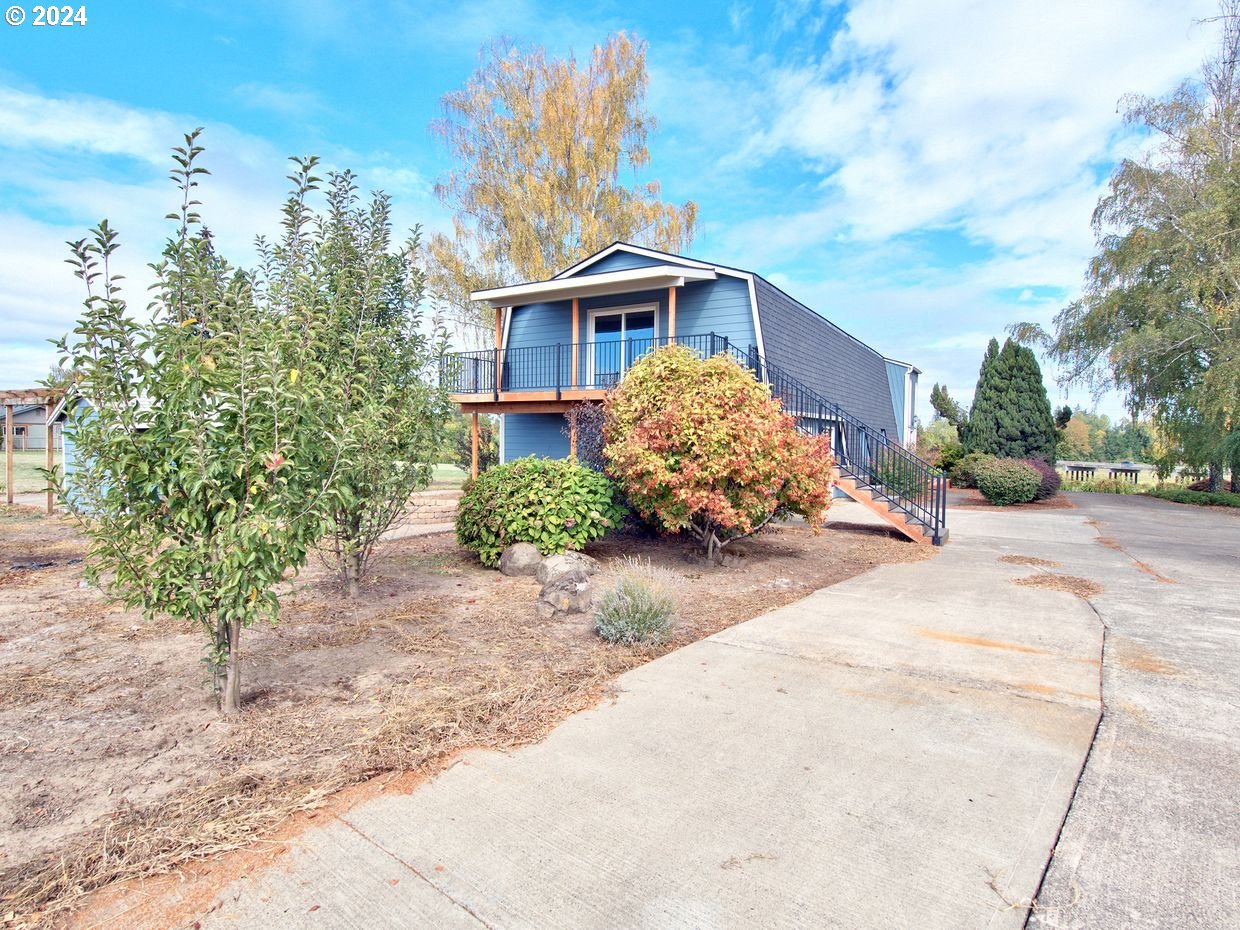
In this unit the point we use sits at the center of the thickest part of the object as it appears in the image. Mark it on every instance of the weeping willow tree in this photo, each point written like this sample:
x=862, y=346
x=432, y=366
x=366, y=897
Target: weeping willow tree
x=547, y=155
x=1158, y=316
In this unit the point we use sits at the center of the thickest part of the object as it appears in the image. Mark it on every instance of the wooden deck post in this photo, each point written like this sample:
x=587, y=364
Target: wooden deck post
x=473, y=467
x=51, y=455
x=572, y=437
x=8, y=451
x=671, y=314
x=576, y=339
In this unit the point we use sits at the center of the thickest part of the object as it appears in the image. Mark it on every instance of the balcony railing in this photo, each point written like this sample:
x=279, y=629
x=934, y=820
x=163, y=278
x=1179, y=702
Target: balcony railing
x=877, y=463
x=598, y=365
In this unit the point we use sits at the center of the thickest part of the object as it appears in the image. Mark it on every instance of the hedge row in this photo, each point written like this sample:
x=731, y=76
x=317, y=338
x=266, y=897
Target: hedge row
x=1200, y=498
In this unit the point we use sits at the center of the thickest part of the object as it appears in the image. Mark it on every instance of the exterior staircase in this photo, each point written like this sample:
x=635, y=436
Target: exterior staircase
x=897, y=485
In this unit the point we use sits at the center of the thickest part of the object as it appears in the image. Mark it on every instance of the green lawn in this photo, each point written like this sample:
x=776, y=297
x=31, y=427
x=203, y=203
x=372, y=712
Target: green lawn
x=448, y=476
x=25, y=478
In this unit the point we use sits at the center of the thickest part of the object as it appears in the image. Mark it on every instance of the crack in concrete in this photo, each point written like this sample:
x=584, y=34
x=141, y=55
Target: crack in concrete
x=909, y=671
x=1080, y=775
x=412, y=868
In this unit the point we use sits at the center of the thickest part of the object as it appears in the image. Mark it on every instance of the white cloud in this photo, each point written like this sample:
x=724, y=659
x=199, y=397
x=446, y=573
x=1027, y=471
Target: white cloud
x=932, y=161
x=71, y=161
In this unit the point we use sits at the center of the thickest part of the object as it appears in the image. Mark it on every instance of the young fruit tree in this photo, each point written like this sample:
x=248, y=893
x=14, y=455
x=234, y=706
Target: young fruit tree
x=700, y=446
x=389, y=412
x=209, y=440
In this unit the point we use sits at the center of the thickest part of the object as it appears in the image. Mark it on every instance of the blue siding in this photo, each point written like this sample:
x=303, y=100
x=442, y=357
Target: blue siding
x=721, y=306
x=530, y=359
x=541, y=324
x=896, y=375
x=534, y=434
x=623, y=261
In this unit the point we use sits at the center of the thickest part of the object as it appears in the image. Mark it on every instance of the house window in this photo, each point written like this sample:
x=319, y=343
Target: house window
x=618, y=338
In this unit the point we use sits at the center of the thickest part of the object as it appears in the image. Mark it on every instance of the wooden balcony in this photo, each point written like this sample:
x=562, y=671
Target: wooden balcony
x=551, y=378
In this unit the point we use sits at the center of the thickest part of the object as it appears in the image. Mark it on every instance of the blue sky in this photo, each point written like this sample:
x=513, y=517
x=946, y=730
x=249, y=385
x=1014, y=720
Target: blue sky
x=922, y=174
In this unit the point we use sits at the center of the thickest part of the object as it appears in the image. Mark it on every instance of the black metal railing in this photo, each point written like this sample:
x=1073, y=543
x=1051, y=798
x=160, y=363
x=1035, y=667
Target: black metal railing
x=600, y=364
x=905, y=482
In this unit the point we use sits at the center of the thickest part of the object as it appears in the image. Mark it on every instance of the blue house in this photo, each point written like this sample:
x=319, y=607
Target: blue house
x=570, y=339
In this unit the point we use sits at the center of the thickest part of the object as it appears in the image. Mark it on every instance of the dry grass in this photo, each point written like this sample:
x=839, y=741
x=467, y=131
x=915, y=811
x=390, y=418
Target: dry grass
x=440, y=656
x=1028, y=560
x=1073, y=584
x=421, y=729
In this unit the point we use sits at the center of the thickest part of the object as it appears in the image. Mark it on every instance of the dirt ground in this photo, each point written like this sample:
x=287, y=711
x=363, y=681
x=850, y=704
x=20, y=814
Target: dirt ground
x=114, y=763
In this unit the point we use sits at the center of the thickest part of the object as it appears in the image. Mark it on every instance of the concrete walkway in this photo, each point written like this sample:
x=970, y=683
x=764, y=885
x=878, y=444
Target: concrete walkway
x=1153, y=838
x=896, y=751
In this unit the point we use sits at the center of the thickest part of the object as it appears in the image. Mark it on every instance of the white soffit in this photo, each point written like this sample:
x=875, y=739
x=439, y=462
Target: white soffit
x=595, y=285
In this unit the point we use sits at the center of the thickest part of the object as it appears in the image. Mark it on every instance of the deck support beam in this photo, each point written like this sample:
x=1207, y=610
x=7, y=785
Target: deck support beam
x=51, y=456
x=572, y=437
x=671, y=314
x=473, y=444
x=8, y=452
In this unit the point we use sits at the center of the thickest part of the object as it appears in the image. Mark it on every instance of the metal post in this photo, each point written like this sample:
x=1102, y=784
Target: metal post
x=51, y=455
x=8, y=451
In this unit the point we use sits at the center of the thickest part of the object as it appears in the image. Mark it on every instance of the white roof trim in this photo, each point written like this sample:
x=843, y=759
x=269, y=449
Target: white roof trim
x=596, y=285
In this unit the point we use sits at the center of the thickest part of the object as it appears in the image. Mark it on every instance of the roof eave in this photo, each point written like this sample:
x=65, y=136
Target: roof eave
x=599, y=285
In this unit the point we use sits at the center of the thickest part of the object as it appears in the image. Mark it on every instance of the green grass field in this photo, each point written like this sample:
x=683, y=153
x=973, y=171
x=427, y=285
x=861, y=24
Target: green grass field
x=448, y=476
x=25, y=476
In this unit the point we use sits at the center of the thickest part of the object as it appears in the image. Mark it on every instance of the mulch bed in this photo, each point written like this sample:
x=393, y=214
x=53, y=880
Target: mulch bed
x=972, y=499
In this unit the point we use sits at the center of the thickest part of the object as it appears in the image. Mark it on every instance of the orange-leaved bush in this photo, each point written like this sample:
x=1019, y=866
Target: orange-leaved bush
x=699, y=445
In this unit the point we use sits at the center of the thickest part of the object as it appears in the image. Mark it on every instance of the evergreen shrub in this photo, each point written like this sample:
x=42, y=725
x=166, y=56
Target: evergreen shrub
x=1008, y=481
x=964, y=473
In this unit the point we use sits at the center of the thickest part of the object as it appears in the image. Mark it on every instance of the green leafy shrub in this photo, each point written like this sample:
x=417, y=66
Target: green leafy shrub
x=638, y=608
x=1008, y=481
x=964, y=473
x=1102, y=486
x=554, y=504
x=1051, y=479
x=1200, y=498
x=950, y=454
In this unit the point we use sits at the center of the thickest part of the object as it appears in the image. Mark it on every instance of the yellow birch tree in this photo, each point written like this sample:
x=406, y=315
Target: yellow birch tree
x=547, y=155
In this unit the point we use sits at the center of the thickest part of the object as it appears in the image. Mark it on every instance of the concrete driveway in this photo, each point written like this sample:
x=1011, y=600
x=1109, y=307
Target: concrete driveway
x=896, y=751
x=1153, y=837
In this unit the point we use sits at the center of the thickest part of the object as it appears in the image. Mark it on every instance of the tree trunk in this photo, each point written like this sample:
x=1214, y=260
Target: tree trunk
x=230, y=697
x=1215, y=477
x=353, y=572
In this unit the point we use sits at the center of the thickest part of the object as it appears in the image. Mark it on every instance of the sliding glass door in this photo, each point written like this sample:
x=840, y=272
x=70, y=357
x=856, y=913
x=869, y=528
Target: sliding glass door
x=619, y=338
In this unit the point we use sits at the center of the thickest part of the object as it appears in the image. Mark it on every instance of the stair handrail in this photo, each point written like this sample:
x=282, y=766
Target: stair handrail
x=904, y=480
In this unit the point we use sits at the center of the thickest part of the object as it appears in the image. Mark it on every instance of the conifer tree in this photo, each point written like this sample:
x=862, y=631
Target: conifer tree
x=1011, y=414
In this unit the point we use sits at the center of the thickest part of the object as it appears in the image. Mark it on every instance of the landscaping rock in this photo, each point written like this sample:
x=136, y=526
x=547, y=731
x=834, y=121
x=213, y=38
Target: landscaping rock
x=520, y=559
x=553, y=566
x=569, y=593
